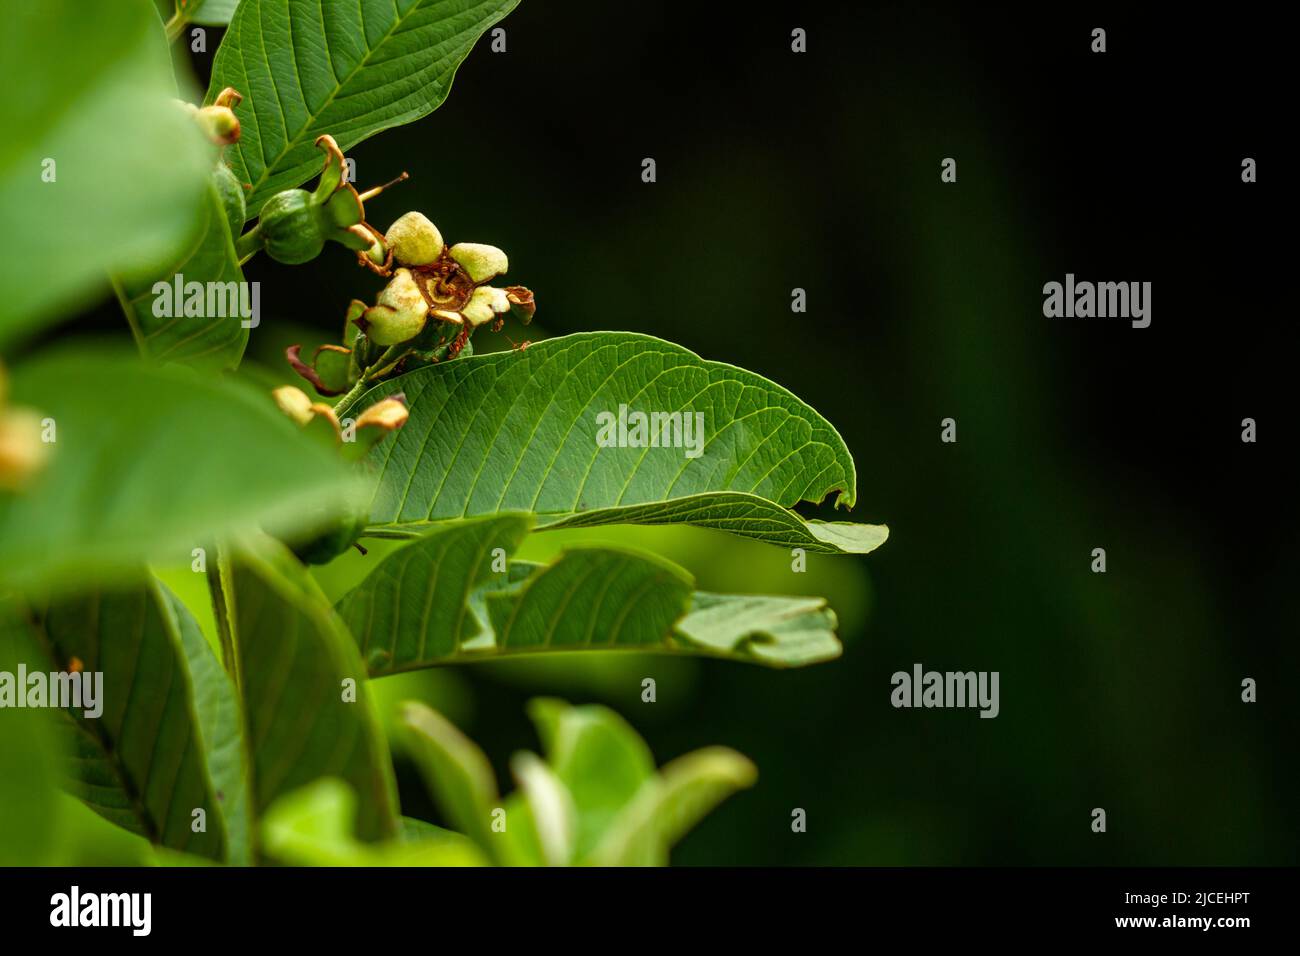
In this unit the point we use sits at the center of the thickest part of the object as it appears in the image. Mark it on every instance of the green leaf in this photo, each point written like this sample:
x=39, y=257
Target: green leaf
x=87, y=86
x=350, y=70
x=149, y=463
x=214, y=339
x=414, y=830
x=456, y=772
x=598, y=757
x=30, y=754
x=305, y=705
x=670, y=804
x=596, y=799
x=313, y=826
x=143, y=761
x=532, y=827
x=780, y=631
x=586, y=599
x=519, y=430
x=217, y=706
x=551, y=809
x=741, y=514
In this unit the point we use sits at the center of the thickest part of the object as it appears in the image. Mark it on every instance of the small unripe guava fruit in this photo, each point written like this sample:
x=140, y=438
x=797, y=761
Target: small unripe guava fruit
x=291, y=227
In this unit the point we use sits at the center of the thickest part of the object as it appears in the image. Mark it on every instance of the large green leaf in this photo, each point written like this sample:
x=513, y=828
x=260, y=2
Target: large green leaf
x=305, y=705
x=518, y=431
x=439, y=600
x=87, y=86
x=308, y=68
x=215, y=338
x=144, y=762
x=149, y=463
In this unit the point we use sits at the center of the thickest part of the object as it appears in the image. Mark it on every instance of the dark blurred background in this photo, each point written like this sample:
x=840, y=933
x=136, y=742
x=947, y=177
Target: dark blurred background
x=821, y=171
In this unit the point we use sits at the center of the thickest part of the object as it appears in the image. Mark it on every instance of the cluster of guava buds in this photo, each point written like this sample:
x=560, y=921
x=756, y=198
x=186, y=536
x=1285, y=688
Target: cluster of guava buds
x=436, y=296
x=444, y=283
x=23, y=451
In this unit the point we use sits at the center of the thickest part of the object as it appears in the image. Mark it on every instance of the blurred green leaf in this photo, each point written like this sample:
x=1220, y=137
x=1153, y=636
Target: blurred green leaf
x=211, y=340
x=305, y=702
x=596, y=799
x=598, y=756
x=313, y=826
x=217, y=707
x=149, y=463
x=517, y=431
x=551, y=808
x=350, y=70
x=532, y=827
x=439, y=600
x=143, y=762
x=670, y=804
x=87, y=86
x=456, y=772
x=30, y=754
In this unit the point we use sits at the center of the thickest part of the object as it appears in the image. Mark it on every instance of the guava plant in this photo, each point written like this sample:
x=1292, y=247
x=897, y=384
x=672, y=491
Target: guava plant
x=258, y=742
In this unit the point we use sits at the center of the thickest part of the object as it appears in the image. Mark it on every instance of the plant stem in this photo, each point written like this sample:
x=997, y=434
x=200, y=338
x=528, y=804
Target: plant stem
x=248, y=244
x=344, y=404
x=350, y=399
x=217, y=573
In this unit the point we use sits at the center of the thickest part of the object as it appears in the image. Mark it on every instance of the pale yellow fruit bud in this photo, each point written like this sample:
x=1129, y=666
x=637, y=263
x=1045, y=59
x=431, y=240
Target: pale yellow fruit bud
x=294, y=403
x=482, y=263
x=415, y=241
x=400, y=312
x=22, y=452
x=220, y=124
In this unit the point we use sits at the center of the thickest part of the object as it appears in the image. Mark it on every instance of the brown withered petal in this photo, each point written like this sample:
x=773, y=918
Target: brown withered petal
x=523, y=305
x=230, y=97
x=309, y=372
